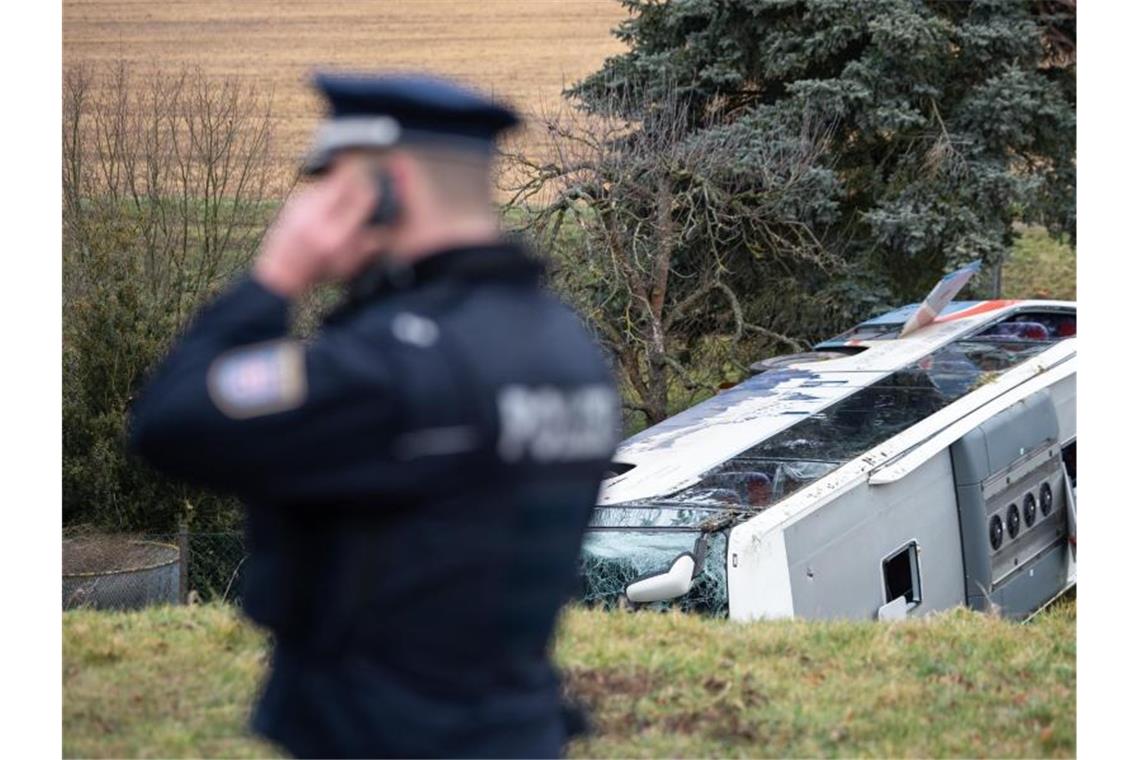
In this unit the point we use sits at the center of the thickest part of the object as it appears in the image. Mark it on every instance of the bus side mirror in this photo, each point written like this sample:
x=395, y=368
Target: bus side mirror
x=662, y=586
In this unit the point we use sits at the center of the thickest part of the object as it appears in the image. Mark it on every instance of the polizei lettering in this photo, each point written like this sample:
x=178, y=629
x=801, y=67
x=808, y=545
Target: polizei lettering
x=553, y=425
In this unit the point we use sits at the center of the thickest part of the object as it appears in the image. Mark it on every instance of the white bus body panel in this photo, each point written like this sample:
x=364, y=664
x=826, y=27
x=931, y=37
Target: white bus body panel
x=834, y=533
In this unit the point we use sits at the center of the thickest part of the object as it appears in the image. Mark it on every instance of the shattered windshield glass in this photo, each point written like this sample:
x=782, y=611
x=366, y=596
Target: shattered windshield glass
x=612, y=560
x=633, y=538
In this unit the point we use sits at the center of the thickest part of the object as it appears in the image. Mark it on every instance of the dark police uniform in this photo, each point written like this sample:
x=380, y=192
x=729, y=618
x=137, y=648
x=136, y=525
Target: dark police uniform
x=418, y=480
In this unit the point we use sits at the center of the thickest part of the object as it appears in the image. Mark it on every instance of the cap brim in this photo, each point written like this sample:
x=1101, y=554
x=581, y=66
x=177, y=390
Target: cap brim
x=335, y=135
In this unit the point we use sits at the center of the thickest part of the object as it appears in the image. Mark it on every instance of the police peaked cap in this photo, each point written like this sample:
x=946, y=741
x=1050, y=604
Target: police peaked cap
x=385, y=111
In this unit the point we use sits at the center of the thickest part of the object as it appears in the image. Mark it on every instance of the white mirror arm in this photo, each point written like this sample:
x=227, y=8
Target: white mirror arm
x=659, y=587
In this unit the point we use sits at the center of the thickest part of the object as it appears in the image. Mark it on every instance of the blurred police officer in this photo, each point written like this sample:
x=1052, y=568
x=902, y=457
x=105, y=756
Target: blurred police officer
x=419, y=476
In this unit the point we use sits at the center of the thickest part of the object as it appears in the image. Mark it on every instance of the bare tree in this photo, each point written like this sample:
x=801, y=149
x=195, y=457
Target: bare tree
x=168, y=185
x=174, y=171
x=670, y=233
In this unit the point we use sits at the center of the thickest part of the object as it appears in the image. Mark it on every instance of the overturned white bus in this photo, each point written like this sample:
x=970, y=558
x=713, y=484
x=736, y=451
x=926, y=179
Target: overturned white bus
x=883, y=477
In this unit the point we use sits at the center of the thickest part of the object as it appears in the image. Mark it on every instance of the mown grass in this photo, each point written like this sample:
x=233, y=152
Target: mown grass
x=170, y=681
x=178, y=682
x=958, y=684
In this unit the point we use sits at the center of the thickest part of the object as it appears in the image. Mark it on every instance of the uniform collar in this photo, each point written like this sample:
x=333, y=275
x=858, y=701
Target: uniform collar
x=502, y=262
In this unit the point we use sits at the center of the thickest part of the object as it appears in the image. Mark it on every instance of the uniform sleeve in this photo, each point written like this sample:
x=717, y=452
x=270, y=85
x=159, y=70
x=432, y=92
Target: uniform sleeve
x=240, y=407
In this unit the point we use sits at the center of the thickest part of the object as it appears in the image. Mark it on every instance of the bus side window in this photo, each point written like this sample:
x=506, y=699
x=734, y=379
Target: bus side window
x=1069, y=457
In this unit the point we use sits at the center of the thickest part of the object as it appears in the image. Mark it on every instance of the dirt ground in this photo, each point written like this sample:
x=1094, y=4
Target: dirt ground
x=523, y=51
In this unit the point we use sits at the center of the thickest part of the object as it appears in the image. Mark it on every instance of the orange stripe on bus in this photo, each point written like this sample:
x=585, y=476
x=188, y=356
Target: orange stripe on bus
x=982, y=308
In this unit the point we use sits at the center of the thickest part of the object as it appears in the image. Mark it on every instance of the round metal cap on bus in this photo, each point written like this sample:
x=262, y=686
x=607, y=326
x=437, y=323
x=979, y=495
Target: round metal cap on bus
x=1013, y=521
x=997, y=532
x=1046, y=499
x=1029, y=509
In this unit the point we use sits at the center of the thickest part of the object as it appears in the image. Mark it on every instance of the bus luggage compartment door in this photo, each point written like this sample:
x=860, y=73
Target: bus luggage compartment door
x=1011, y=507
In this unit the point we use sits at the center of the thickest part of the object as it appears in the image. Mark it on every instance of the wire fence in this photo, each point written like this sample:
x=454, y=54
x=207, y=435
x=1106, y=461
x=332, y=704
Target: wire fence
x=133, y=571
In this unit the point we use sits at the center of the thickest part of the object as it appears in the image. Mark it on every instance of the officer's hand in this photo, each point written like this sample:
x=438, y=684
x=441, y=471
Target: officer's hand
x=320, y=235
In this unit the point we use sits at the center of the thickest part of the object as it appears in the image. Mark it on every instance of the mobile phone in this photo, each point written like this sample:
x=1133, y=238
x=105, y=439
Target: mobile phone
x=388, y=208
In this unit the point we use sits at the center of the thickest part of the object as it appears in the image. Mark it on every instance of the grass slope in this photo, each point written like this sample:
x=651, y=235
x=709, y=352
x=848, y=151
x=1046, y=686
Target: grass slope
x=178, y=682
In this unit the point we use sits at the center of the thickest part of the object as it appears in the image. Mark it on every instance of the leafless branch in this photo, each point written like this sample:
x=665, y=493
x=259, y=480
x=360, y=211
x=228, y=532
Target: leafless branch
x=669, y=226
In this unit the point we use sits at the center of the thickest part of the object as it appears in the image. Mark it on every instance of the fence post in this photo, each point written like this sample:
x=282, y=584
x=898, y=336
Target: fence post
x=183, y=561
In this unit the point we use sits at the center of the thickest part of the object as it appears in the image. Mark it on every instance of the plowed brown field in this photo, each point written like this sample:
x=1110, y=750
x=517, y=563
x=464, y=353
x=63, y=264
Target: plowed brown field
x=524, y=51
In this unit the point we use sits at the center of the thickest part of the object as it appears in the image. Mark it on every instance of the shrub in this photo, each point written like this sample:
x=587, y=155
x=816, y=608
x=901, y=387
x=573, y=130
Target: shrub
x=167, y=187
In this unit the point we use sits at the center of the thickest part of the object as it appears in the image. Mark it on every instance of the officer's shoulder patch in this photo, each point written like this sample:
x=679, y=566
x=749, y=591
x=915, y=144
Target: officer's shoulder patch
x=264, y=378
